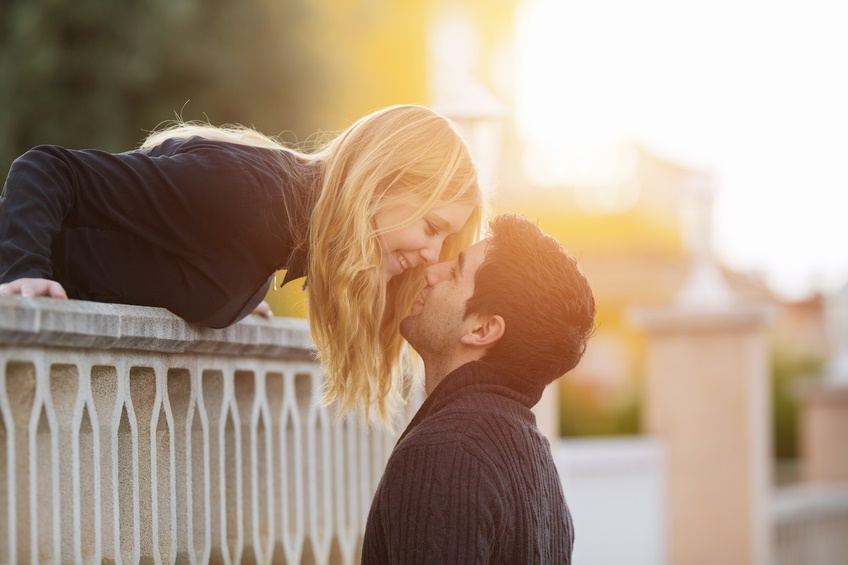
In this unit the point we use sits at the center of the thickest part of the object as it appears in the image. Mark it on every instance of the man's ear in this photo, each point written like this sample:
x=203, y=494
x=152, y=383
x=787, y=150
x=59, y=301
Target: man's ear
x=483, y=331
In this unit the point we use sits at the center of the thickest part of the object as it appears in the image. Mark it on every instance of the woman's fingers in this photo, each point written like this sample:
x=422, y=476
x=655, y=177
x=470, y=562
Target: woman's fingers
x=33, y=287
x=264, y=310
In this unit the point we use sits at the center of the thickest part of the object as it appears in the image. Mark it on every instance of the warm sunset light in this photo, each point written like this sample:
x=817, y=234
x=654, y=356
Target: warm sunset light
x=516, y=281
x=754, y=92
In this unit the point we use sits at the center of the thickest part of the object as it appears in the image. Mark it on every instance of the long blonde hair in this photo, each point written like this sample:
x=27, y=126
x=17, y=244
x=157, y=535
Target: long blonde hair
x=398, y=155
x=401, y=155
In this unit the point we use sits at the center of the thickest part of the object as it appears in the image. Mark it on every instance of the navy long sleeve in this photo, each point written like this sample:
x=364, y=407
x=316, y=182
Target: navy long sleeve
x=195, y=226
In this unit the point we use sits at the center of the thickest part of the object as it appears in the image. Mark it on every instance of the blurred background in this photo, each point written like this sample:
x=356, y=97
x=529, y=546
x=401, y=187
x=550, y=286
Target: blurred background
x=692, y=154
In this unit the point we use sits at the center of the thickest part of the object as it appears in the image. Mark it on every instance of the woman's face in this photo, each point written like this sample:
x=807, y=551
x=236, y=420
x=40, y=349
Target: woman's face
x=421, y=241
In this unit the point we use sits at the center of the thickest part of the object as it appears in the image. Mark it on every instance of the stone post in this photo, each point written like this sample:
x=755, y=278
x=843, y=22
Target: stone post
x=824, y=428
x=824, y=410
x=706, y=397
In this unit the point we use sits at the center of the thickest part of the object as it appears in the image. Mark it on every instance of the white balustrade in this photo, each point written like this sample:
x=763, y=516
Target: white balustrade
x=127, y=435
x=811, y=524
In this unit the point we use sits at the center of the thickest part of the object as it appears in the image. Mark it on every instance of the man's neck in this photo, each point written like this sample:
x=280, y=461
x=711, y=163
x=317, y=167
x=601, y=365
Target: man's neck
x=432, y=377
x=435, y=371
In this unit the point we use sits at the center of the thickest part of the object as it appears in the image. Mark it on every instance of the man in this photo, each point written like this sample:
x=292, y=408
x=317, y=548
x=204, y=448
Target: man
x=472, y=480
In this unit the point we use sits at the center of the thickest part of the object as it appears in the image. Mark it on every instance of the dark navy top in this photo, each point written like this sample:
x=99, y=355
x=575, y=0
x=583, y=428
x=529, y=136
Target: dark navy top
x=195, y=226
x=471, y=480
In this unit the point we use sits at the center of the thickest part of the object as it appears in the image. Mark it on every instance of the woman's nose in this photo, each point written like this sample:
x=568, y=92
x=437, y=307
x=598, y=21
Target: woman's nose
x=430, y=254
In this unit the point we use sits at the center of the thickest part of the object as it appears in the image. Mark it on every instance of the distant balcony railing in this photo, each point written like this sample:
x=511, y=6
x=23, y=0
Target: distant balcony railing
x=127, y=435
x=811, y=524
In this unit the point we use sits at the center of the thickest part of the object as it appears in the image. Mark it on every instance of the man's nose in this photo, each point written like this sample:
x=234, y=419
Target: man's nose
x=434, y=274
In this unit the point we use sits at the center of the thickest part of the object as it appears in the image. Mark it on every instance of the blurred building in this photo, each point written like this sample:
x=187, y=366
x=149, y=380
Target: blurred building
x=451, y=55
x=630, y=230
x=631, y=238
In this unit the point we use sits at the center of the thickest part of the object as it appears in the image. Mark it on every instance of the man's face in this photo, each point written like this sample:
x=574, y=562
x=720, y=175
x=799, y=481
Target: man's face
x=436, y=322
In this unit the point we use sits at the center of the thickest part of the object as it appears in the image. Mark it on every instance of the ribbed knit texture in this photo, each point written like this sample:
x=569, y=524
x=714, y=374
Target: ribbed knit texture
x=471, y=480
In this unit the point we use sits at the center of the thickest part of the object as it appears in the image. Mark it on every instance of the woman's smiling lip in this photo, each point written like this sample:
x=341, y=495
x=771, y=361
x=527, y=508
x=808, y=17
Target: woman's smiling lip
x=397, y=264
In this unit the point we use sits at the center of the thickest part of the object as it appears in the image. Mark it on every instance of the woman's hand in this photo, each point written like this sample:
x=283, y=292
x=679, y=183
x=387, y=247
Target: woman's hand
x=263, y=309
x=33, y=287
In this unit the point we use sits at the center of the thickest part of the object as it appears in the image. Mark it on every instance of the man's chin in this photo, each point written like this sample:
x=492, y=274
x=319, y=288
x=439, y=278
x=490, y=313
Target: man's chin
x=406, y=326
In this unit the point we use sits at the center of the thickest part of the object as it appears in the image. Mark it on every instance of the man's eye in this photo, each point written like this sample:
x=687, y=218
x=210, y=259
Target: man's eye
x=453, y=273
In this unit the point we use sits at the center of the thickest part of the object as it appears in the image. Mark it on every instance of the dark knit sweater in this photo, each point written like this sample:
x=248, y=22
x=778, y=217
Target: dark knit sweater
x=194, y=225
x=471, y=480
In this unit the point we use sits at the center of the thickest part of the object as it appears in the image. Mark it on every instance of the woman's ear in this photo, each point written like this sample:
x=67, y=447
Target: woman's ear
x=483, y=331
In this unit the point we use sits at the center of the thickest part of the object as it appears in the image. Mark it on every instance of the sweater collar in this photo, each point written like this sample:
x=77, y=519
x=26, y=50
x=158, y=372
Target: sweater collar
x=476, y=377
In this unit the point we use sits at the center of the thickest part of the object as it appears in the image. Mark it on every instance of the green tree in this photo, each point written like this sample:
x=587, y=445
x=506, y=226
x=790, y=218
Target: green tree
x=101, y=74
x=792, y=372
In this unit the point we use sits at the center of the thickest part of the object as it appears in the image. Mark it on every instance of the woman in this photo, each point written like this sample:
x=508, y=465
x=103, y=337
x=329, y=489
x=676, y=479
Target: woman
x=199, y=219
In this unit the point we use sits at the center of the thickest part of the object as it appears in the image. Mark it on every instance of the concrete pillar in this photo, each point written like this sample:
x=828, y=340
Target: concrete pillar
x=824, y=410
x=707, y=398
x=824, y=435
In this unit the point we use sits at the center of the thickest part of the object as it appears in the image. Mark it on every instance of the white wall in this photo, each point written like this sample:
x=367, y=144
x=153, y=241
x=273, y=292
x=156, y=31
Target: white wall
x=614, y=488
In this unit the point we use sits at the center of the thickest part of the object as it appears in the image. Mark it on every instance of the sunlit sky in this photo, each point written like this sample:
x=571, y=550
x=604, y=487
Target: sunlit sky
x=754, y=91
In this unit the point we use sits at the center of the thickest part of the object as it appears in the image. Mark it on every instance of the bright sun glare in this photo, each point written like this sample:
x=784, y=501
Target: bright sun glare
x=753, y=91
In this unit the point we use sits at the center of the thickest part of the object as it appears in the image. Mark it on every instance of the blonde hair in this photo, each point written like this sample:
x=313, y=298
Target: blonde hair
x=232, y=133
x=401, y=155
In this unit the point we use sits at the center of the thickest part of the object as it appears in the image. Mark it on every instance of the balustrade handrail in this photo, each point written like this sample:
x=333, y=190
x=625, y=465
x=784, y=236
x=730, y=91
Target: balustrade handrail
x=77, y=323
x=810, y=501
x=811, y=524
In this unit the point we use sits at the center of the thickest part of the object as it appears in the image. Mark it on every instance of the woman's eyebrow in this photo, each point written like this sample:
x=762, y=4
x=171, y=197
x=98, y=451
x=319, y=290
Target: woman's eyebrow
x=437, y=219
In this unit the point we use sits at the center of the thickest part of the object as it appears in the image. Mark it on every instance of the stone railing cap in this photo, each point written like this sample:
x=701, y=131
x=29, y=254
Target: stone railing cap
x=77, y=323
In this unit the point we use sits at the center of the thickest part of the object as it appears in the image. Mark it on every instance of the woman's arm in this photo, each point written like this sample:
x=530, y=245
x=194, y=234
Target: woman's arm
x=184, y=196
x=38, y=195
x=184, y=225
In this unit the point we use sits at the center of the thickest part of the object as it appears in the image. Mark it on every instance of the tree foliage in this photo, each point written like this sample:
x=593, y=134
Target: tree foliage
x=92, y=73
x=792, y=372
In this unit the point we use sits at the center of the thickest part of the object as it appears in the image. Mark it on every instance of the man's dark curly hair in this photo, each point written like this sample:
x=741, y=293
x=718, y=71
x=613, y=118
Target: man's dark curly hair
x=530, y=280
